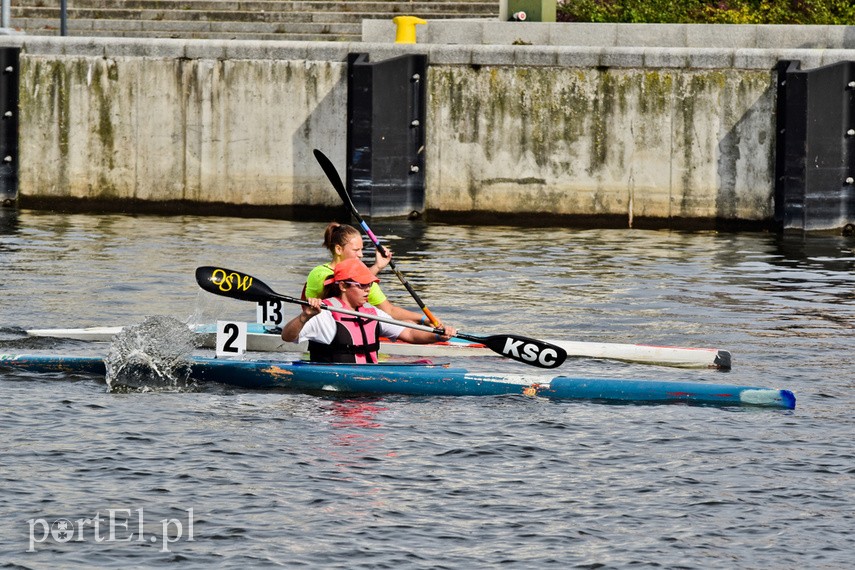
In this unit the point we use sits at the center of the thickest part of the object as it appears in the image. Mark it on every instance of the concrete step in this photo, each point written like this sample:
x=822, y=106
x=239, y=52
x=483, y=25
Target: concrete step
x=205, y=35
x=85, y=25
x=482, y=9
x=462, y=6
x=264, y=19
x=212, y=15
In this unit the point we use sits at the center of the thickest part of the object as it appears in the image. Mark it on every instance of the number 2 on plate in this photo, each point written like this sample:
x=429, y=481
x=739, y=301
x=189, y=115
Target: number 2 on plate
x=231, y=338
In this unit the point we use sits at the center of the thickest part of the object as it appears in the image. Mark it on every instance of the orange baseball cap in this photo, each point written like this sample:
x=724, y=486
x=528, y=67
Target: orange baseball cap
x=352, y=270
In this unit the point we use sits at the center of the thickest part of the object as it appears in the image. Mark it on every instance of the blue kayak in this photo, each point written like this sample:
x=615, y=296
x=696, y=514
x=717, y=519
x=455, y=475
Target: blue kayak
x=428, y=380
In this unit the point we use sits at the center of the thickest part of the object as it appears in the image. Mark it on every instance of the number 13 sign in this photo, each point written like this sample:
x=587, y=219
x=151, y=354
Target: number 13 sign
x=270, y=313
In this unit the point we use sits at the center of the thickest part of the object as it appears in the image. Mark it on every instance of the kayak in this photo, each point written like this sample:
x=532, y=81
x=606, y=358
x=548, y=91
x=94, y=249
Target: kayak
x=427, y=380
x=264, y=339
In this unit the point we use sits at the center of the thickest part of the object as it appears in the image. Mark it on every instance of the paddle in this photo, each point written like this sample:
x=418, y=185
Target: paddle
x=243, y=287
x=335, y=180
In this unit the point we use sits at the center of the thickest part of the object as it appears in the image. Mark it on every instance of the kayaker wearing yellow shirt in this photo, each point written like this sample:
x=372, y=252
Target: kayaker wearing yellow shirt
x=345, y=242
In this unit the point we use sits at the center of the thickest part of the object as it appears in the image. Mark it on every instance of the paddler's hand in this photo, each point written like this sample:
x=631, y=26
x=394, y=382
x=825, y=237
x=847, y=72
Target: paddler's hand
x=292, y=328
x=310, y=310
x=379, y=261
x=448, y=332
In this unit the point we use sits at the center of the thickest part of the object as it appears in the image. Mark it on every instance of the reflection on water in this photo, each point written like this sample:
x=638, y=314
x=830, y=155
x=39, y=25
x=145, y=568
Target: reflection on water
x=8, y=221
x=356, y=414
x=356, y=432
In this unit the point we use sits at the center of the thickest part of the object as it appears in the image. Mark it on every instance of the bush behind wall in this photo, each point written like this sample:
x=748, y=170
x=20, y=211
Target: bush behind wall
x=804, y=12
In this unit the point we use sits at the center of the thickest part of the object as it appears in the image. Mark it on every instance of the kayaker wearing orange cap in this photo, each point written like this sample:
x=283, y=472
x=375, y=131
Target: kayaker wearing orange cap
x=345, y=242
x=336, y=337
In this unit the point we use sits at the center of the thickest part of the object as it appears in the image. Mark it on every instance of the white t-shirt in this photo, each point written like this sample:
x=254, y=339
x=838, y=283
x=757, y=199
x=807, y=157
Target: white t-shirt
x=322, y=328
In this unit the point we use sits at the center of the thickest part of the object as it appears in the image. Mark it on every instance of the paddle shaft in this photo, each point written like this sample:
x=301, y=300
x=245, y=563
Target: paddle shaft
x=335, y=180
x=500, y=344
x=395, y=269
x=237, y=285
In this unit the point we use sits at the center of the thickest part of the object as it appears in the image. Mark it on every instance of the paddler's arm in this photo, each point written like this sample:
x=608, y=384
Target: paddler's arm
x=421, y=337
x=292, y=328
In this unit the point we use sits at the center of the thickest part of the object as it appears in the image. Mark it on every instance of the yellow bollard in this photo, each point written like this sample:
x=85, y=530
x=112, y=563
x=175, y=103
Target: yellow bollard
x=406, y=33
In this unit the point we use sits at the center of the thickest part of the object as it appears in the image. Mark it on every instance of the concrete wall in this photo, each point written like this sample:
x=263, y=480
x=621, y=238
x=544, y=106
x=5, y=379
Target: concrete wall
x=656, y=143
x=156, y=121
x=660, y=133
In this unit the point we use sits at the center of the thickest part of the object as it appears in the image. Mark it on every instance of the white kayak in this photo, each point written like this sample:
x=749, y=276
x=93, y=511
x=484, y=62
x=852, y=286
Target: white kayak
x=262, y=339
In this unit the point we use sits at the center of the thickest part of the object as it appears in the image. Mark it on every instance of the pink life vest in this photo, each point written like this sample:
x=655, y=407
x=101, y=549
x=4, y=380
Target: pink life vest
x=355, y=340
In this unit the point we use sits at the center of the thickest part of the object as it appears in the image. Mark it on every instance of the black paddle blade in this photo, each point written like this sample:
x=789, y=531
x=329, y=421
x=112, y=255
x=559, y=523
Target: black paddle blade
x=231, y=283
x=332, y=174
x=527, y=350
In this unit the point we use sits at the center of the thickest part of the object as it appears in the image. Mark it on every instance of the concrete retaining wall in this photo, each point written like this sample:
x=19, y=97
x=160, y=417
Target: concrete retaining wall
x=175, y=120
x=627, y=142
x=660, y=133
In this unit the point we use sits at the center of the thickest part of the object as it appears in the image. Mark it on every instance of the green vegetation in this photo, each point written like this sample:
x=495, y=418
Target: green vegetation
x=826, y=12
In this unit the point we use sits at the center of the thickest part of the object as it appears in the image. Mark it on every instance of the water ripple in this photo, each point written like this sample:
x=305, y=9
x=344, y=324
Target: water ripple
x=279, y=479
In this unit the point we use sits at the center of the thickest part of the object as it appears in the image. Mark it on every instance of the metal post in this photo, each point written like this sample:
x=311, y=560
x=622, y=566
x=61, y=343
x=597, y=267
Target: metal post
x=63, y=17
x=815, y=166
x=6, y=15
x=9, y=80
x=386, y=134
